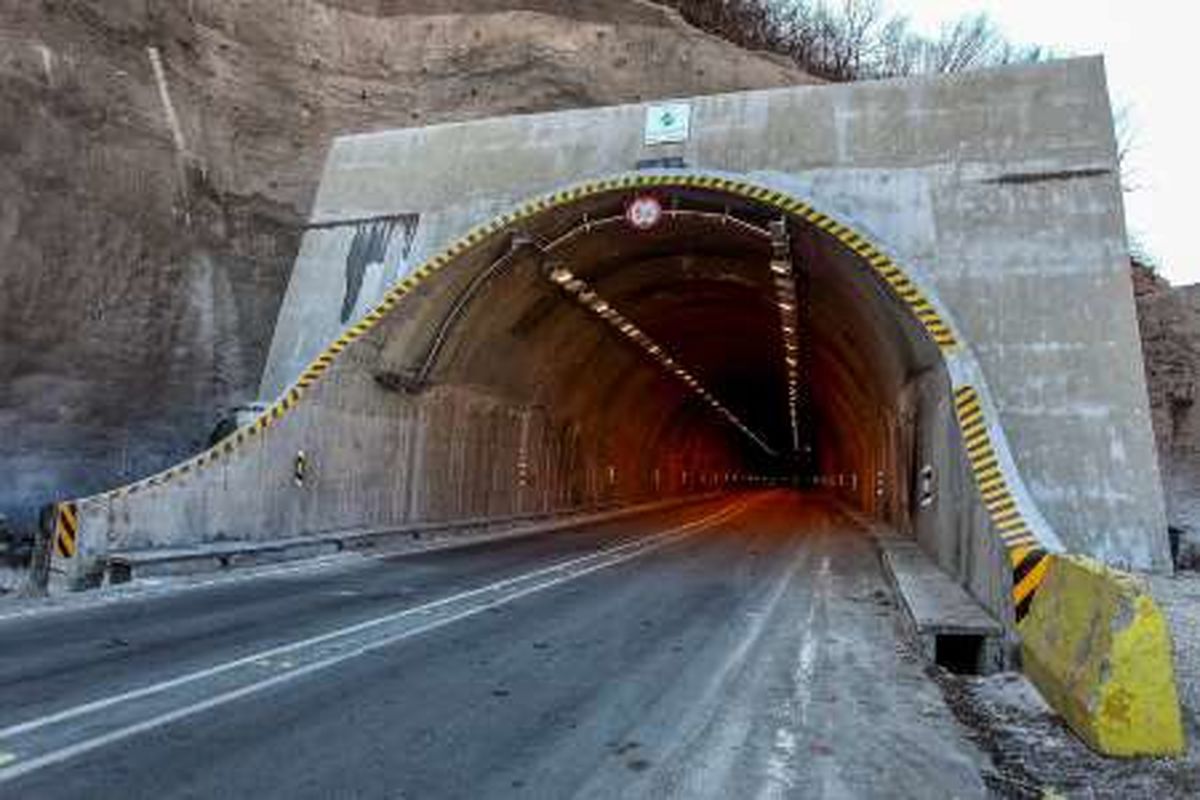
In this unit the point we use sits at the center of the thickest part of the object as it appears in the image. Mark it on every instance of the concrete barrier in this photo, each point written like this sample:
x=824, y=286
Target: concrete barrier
x=1098, y=648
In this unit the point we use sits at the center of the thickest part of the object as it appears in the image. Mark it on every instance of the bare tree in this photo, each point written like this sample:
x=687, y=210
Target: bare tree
x=900, y=51
x=847, y=40
x=1127, y=142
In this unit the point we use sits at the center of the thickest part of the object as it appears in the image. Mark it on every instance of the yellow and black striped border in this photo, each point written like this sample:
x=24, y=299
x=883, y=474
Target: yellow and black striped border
x=66, y=529
x=1029, y=560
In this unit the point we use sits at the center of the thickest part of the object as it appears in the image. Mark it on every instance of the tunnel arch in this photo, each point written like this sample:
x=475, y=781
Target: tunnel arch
x=1010, y=512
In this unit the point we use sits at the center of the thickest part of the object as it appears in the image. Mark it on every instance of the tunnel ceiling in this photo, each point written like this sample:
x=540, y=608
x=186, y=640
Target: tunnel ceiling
x=700, y=285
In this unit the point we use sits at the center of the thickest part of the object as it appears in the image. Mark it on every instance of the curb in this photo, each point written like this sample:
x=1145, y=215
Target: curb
x=417, y=538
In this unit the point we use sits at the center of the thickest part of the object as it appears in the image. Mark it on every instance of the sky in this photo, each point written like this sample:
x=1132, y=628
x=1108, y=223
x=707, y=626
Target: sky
x=1152, y=53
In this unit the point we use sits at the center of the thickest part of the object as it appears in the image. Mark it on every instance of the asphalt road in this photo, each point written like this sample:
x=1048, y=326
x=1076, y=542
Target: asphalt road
x=747, y=647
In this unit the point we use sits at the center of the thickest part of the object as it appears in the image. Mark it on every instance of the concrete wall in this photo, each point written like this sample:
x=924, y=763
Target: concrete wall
x=1000, y=186
x=452, y=454
x=497, y=435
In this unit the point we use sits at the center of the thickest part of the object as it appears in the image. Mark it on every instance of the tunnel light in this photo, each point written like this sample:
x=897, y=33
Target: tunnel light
x=783, y=278
x=589, y=299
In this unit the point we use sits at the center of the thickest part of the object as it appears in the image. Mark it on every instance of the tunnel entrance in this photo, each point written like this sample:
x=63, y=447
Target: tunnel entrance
x=638, y=339
x=695, y=338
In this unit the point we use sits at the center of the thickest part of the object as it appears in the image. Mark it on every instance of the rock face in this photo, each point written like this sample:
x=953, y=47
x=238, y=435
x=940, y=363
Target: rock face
x=157, y=160
x=1169, y=319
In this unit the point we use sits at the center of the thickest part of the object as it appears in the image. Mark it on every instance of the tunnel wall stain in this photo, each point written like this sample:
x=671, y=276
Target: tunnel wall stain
x=369, y=246
x=373, y=240
x=923, y=309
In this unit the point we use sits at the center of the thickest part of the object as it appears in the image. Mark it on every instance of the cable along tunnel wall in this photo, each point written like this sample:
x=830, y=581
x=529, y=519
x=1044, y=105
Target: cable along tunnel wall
x=533, y=407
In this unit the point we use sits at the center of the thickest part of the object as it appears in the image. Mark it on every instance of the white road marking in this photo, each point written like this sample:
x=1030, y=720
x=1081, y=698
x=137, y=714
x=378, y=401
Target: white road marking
x=142, y=589
x=575, y=568
x=714, y=735
x=784, y=768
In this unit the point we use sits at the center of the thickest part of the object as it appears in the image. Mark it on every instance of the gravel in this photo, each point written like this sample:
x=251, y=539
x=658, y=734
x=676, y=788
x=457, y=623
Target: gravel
x=1179, y=597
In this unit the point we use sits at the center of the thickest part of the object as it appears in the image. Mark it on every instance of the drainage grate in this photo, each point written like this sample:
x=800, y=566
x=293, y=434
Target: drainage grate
x=960, y=653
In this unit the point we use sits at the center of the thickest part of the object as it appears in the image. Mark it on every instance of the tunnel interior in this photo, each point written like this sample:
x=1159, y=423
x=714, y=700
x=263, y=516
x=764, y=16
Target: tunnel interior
x=659, y=358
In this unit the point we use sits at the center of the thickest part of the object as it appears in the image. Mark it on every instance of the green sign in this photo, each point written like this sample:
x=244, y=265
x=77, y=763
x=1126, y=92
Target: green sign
x=668, y=123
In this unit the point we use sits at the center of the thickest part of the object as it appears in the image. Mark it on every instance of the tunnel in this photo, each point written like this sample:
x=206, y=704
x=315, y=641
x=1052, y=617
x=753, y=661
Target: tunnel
x=640, y=341
x=724, y=344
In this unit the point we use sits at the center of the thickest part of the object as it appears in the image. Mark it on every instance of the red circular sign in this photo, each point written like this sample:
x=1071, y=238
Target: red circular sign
x=644, y=212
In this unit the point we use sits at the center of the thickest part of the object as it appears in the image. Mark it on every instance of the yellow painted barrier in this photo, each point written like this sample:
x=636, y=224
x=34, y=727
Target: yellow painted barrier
x=1098, y=648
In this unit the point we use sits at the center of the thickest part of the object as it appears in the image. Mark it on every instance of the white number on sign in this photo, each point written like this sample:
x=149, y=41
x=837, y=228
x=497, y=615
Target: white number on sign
x=644, y=212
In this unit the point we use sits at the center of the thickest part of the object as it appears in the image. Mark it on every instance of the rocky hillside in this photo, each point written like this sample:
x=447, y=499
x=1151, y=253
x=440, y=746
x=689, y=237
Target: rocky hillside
x=1169, y=318
x=157, y=158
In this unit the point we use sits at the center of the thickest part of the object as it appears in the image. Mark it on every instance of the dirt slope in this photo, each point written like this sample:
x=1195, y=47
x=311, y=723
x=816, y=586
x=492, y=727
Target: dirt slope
x=1169, y=320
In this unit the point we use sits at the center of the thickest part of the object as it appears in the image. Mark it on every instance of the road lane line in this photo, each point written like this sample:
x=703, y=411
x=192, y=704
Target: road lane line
x=149, y=589
x=573, y=568
x=97, y=705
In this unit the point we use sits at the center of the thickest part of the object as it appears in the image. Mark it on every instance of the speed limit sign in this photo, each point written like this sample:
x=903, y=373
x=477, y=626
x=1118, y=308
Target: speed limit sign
x=644, y=212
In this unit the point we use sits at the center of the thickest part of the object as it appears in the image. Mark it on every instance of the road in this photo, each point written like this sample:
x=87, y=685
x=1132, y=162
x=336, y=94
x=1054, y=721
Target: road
x=745, y=647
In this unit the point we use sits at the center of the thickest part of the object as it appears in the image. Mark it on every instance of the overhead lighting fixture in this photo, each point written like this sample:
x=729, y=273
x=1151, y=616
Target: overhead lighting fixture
x=785, y=300
x=589, y=299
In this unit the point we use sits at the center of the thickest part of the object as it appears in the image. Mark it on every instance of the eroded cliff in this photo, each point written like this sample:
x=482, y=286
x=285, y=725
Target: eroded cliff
x=1169, y=319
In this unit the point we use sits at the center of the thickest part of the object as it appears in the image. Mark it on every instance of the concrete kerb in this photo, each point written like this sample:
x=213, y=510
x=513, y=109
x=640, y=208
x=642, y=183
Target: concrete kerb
x=947, y=609
x=1095, y=644
x=951, y=627
x=1098, y=648
x=122, y=567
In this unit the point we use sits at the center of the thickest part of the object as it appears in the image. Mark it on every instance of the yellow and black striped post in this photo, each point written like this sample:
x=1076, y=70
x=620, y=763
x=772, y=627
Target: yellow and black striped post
x=1029, y=560
x=66, y=530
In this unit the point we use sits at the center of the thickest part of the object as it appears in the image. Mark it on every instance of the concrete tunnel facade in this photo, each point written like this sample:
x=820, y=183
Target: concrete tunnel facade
x=484, y=383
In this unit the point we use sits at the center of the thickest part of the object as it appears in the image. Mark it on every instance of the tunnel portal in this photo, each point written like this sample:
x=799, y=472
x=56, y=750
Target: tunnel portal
x=861, y=288
x=570, y=356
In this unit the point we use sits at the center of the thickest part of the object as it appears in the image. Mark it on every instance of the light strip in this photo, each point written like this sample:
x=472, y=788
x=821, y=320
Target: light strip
x=785, y=299
x=587, y=298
